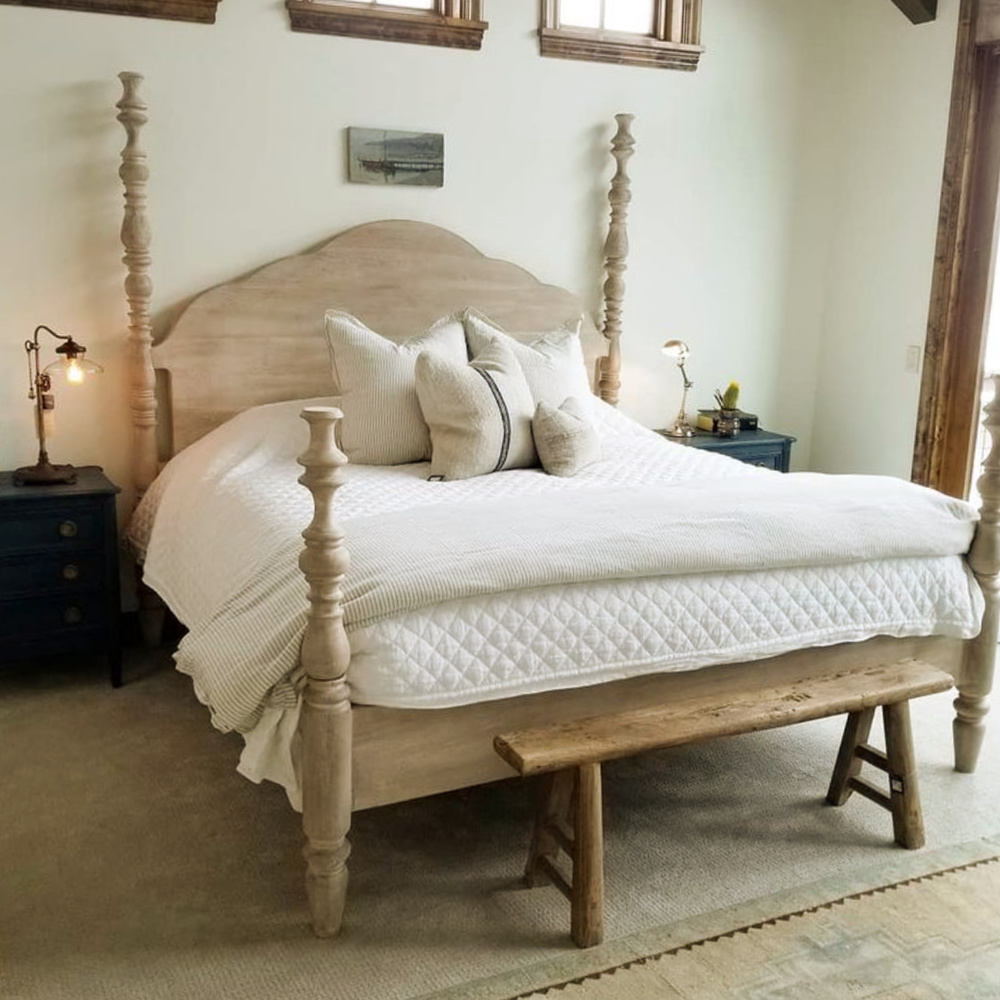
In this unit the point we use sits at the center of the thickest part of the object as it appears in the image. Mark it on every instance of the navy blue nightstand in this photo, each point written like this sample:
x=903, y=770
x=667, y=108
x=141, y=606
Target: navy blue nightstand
x=764, y=448
x=59, y=590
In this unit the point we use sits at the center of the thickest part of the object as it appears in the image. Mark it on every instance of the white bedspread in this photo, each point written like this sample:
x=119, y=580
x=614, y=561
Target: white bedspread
x=519, y=581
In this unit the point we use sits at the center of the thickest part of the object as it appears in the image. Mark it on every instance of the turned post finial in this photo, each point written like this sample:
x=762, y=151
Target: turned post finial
x=136, y=237
x=615, y=257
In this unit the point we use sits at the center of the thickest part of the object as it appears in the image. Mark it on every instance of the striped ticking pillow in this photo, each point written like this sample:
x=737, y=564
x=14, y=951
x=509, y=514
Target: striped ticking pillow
x=382, y=422
x=479, y=413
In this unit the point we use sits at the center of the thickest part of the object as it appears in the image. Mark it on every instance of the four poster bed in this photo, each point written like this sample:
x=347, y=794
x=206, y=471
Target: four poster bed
x=358, y=687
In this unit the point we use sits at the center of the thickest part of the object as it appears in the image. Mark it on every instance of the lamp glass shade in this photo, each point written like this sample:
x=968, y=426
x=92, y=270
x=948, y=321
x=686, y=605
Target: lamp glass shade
x=676, y=349
x=74, y=368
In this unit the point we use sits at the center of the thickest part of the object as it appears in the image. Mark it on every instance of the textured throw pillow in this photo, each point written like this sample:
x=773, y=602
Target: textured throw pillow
x=382, y=422
x=564, y=437
x=552, y=363
x=479, y=413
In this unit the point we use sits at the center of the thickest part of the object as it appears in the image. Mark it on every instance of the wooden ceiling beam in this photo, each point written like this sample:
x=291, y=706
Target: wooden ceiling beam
x=918, y=11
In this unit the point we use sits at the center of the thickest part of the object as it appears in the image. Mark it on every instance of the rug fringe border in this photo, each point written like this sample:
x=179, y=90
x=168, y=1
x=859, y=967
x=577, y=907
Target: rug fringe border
x=759, y=925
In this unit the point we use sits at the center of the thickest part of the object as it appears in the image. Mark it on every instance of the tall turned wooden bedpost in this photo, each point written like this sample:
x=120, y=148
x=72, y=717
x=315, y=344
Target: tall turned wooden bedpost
x=615, y=254
x=979, y=656
x=136, y=237
x=326, y=709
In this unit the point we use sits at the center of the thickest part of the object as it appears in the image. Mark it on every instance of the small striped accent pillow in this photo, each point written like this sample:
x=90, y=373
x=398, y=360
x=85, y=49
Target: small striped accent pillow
x=382, y=423
x=479, y=413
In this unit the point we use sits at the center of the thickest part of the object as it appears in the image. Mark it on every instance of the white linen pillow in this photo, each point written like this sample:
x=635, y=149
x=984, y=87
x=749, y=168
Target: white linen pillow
x=382, y=422
x=552, y=362
x=565, y=439
x=479, y=413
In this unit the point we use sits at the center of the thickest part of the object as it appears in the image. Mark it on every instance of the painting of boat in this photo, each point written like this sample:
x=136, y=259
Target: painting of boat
x=380, y=156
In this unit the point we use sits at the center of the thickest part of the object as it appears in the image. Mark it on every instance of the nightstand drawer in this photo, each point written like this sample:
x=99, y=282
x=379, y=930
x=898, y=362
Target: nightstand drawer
x=51, y=573
x=57, y=614
x=52, y=526
x=765, y=458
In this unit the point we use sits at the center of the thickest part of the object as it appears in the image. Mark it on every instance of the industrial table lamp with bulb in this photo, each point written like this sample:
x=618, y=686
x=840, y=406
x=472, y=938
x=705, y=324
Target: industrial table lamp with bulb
x=678, y=350
x=75, y=367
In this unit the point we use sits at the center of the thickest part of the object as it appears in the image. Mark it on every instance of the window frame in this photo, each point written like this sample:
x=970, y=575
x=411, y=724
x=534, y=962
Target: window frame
x=456, y=24
x=674, y=44
x=199, y=11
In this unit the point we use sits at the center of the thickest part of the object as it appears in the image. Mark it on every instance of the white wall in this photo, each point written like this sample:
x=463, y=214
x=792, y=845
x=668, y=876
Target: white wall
x=737, y=246
x=895, y=88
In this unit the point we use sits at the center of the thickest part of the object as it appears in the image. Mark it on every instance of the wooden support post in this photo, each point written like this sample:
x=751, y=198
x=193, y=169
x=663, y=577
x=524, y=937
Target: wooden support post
x=976, y=680
x=326, y=710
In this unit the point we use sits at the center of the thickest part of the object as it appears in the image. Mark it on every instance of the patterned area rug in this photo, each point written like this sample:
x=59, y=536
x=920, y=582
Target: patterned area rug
x=937, y=936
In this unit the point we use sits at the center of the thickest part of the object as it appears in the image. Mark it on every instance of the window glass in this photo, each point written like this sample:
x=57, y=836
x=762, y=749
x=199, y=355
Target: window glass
x=629, y=15
x=580, y=13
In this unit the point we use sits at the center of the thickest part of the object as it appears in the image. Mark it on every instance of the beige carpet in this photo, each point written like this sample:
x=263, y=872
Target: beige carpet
x=935, y=936
x=135, y=863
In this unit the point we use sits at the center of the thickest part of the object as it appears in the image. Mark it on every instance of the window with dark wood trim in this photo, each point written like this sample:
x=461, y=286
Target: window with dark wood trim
x=455, y=24
x=202, y=11
x=663, y=33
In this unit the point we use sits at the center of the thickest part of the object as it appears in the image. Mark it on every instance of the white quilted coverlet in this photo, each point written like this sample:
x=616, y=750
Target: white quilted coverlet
x=220, y=530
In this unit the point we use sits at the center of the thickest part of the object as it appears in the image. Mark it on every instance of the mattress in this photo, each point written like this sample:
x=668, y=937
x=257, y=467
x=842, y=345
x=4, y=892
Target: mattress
x=220, y=529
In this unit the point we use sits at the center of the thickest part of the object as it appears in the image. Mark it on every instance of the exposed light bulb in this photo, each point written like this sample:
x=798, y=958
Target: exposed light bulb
x=74, y=371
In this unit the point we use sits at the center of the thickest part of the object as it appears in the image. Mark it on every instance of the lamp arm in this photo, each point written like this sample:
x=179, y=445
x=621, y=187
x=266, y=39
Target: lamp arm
x=49, y=330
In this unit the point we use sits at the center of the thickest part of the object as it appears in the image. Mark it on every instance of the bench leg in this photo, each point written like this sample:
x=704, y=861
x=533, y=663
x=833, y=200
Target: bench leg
x=587, y=901
x=898, y=761
x=555, y=803
x=907, y=820
x=569, y=818
x=848, y=766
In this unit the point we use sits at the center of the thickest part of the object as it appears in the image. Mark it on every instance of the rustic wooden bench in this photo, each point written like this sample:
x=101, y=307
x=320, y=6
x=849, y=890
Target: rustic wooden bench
x=570, y=757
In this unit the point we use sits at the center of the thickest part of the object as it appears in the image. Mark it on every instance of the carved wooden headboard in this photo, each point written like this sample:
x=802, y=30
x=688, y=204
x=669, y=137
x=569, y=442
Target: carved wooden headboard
x=260, y=338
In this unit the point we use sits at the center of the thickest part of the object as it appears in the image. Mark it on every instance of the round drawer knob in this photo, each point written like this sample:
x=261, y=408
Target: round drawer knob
x=71, y=572
x=68, y=529
x=72, y=615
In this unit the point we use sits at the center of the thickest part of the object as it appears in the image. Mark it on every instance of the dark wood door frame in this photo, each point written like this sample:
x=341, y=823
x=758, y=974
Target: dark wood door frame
x=964, y=258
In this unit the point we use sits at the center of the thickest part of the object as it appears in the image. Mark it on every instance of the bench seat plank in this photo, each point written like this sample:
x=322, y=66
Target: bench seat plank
x=601, y=738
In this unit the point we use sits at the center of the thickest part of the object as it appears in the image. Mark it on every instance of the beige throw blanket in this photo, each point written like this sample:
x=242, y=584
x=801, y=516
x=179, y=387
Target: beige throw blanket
x=408, y=560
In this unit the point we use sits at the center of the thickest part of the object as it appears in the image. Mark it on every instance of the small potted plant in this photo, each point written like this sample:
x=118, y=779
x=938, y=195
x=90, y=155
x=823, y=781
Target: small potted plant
x=729, y=414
